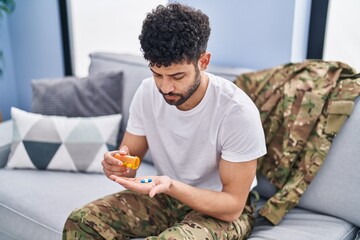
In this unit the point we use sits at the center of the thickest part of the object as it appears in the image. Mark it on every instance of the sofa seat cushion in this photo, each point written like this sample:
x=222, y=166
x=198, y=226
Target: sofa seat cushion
x=35, y=204
x=300, y=224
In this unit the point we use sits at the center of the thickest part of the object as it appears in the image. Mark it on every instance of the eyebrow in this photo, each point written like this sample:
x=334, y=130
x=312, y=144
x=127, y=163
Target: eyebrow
x=171, y=75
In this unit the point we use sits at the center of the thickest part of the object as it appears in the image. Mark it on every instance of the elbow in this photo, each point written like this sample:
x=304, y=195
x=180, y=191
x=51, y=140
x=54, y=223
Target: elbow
x=231, y=217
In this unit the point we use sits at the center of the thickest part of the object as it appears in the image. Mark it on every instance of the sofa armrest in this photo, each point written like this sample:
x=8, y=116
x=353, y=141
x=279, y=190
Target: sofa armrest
x=5, y=141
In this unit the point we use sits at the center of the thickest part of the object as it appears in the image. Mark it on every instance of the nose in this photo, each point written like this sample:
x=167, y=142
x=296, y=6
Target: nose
x=166, y=85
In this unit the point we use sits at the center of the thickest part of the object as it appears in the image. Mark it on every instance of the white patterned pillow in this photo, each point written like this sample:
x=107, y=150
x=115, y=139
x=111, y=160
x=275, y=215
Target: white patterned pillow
x=61, y=143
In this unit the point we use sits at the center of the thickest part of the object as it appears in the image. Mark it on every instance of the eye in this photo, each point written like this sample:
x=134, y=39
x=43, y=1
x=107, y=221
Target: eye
x=179, y=77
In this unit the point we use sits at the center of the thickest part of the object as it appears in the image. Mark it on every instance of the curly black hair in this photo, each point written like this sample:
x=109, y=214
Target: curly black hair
x=174, y=33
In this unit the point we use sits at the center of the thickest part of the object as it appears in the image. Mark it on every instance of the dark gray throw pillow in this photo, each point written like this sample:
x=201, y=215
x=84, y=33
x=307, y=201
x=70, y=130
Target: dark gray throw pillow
x=96, y=95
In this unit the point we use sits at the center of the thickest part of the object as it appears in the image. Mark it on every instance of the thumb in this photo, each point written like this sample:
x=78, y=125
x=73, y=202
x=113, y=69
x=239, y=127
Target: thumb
x=124, y=150
x=157, y=189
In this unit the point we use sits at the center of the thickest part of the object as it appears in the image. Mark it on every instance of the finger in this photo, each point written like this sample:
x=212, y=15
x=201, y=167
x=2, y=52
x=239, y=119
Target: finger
x=124, y=150
x=116, y=173
x=111, y=167
x=122, y=180
x=110, y=153
x=113, y=177
x=110, y=160
x=128, y=183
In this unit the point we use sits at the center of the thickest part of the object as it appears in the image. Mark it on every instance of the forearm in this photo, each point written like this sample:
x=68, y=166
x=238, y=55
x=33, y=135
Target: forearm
x=220, y=205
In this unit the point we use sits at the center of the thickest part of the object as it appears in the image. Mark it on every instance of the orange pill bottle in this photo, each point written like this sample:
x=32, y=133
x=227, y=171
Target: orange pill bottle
x=132, y=162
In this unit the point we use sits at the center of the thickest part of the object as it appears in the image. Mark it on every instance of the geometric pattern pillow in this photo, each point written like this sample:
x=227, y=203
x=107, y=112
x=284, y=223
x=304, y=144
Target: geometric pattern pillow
x=61, y=143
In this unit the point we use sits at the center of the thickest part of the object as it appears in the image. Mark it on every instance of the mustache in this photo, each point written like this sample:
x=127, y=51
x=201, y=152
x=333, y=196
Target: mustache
x=170, y=94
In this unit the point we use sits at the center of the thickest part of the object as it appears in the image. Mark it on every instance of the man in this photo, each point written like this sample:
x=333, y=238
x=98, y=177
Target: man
x=204, y=134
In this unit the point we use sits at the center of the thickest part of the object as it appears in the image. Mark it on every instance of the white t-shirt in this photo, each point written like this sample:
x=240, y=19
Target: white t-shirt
x=188, y=145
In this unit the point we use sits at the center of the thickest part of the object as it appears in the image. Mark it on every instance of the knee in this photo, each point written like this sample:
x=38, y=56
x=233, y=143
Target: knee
x=181, y=232
x=82, y=224
x=77, y=214
x=87, y=223
x=76, y=219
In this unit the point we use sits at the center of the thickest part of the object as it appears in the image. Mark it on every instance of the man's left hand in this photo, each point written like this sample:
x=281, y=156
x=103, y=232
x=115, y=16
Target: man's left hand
x=158, y=184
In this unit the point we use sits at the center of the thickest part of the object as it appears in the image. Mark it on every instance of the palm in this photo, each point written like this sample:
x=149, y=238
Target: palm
x=159, y=184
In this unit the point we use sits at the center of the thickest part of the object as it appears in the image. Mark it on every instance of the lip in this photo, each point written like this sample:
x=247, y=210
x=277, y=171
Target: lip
x=170, y=98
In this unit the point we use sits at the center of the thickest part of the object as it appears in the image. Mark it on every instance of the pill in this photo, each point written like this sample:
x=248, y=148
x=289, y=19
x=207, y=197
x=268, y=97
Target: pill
x=146, y=180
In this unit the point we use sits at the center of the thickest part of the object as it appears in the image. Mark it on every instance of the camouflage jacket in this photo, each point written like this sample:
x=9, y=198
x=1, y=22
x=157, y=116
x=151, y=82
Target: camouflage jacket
x=302, y=107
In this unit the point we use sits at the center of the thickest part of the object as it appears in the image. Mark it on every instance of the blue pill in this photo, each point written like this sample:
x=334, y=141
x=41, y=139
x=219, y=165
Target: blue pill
x=146, y=180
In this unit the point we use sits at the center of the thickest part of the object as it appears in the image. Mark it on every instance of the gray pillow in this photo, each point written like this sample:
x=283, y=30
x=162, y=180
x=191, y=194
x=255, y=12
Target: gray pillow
x=96, y=95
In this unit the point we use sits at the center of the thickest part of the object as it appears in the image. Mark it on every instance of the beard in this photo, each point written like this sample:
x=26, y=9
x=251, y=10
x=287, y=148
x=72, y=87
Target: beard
x=182, y=98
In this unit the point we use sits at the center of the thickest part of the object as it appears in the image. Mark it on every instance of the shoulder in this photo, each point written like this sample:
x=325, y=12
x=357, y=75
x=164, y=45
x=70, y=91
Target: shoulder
x=231, y=96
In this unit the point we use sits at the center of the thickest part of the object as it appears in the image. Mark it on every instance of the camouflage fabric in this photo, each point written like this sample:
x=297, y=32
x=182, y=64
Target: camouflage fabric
x=302, y=107
x=127, y=214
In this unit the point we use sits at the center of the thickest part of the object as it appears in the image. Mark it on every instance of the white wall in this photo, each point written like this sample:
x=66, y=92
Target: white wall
x=106, y=25
x=300, y=34
x=342, y=37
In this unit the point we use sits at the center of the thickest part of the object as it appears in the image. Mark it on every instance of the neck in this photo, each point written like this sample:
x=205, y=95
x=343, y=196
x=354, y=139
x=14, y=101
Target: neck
x=198, y=95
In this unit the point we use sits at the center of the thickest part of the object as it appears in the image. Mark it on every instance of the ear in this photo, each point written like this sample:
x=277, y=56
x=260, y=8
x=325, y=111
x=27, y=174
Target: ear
x=204, y=61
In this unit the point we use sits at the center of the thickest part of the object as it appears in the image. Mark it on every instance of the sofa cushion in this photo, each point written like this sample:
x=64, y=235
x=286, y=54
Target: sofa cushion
x=35, y=204
x=300, y=224
x=95, y=95
x=61, y=143
x=5, y=141
x=335, y=189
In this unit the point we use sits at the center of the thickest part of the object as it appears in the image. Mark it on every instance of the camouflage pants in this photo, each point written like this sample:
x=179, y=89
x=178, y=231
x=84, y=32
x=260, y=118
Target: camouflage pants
x=127, y=214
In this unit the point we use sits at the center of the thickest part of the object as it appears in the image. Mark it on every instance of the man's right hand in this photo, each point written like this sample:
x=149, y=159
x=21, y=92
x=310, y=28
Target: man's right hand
x=113, y=166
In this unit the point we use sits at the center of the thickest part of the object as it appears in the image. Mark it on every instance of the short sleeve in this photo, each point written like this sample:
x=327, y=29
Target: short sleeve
x=242, y=135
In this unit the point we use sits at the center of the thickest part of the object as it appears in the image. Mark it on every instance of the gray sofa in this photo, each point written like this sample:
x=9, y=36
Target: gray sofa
x=34, y=204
